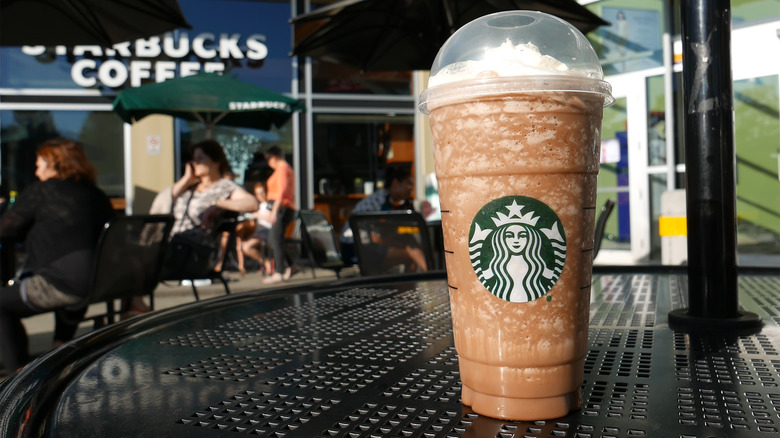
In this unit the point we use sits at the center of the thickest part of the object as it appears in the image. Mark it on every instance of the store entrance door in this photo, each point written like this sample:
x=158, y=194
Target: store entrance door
x=756, y=133
x=623, y=174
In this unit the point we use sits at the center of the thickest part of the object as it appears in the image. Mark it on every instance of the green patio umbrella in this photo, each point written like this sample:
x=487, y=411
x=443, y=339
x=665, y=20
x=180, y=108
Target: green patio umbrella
x=209, y=98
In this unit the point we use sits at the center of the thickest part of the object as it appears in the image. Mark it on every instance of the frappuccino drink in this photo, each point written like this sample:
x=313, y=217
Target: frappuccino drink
x=515, y=102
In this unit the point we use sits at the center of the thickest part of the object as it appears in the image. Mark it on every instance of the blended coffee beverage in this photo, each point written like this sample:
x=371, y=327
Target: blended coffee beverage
x=516, y=136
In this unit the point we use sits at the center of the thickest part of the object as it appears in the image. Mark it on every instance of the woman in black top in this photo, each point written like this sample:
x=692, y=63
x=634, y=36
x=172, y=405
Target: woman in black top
x=59, y=219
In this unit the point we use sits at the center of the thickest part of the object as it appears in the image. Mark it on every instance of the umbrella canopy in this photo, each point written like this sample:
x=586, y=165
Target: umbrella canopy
x=85, y=22
x=407, y=34
x=209, y=98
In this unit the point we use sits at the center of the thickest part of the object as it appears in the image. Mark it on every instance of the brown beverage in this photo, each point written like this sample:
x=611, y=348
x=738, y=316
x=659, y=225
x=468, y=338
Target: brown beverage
x=521, y=339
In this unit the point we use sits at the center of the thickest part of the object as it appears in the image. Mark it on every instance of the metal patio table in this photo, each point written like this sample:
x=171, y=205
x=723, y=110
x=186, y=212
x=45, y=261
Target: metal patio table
x=375, y=357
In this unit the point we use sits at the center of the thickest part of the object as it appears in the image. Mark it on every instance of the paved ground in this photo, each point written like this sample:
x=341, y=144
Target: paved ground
x=40, y=327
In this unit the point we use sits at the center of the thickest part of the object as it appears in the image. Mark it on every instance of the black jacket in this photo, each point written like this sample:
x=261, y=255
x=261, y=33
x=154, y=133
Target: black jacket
x=59, y=222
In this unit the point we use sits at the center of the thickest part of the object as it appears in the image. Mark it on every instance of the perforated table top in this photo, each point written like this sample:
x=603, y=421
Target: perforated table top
x=377, y=359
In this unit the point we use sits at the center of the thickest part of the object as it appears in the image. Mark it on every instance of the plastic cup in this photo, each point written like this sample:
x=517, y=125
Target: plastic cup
x=516, y=139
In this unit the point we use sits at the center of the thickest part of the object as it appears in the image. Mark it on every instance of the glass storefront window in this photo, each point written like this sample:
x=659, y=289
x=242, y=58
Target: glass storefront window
x=251, y=41
x=351, y=153
x=328, y=77
x=757, y=133
x=99, y=132
x=350, y=150
x=243, y=147
x=633, y=40
x=264, y=30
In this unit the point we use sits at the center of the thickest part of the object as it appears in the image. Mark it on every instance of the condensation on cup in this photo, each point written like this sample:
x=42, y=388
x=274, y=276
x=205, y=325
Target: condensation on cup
x=515, y=101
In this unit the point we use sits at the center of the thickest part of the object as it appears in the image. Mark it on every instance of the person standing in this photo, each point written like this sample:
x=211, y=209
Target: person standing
x=281, y=184
x=59, y=219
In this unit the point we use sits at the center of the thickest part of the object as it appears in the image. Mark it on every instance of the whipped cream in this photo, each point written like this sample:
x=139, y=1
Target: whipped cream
x=507, y=60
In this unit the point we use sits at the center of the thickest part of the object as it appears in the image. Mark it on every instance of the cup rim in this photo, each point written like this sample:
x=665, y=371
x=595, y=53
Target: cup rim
x=459, y=91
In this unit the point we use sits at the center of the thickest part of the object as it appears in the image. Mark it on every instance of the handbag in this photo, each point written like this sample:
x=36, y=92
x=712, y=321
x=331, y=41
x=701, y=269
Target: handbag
x=187, y=258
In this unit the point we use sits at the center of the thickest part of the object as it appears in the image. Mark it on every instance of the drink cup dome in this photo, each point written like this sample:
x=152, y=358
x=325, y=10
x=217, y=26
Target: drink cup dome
x=515, y=51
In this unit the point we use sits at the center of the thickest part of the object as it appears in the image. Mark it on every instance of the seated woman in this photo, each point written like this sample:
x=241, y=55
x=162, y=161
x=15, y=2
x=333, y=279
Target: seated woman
x=252, y=234
x=201, y=193
x=59, y=219
x=203, y=190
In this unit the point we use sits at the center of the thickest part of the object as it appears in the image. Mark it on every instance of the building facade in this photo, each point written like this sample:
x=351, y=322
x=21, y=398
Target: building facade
x=357, y=123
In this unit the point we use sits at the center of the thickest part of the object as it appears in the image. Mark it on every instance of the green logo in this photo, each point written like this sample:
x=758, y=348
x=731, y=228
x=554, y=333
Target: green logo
x=517, y=247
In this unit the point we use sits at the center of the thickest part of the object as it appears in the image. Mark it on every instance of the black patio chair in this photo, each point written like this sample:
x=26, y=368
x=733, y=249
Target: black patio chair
x=380, y=235
x=198, y=263
x=128, y=263
x=319, y=242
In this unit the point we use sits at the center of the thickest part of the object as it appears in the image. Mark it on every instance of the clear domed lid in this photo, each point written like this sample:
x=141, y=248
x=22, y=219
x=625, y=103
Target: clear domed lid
x=520, y=43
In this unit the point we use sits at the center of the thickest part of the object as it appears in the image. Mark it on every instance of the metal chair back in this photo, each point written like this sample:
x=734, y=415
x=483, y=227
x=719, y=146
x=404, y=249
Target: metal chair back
x=601, y=222
x=128, y=261
x=378, y=234
x=319, y=240
x=129, y=257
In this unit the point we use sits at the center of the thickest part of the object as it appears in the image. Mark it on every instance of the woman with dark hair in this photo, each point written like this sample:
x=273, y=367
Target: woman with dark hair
x=203, y=190
x=59, y=219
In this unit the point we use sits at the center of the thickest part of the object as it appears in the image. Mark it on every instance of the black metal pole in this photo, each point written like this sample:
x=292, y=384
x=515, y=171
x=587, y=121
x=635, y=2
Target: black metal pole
x=710, y=168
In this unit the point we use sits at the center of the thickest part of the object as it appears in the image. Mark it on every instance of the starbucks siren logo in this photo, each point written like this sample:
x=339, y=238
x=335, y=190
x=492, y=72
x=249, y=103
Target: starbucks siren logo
x=517, y=248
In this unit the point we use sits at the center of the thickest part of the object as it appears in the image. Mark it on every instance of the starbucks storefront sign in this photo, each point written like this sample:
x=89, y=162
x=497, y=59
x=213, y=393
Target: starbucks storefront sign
x=156, y=58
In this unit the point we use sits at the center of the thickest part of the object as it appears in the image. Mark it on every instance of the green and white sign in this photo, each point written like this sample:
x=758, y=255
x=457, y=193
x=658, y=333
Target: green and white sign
x=517, y=247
